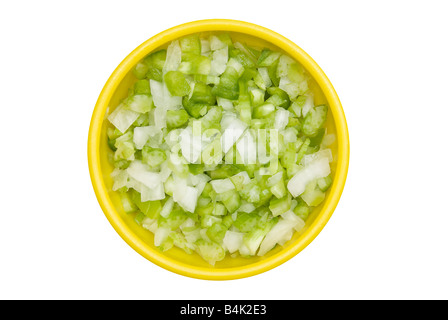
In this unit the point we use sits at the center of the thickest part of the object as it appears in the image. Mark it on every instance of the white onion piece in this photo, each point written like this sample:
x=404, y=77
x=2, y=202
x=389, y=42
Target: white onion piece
x=319, y=168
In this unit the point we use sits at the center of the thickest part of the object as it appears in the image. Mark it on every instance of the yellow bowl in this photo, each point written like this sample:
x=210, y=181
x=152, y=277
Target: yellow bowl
x=176, y=260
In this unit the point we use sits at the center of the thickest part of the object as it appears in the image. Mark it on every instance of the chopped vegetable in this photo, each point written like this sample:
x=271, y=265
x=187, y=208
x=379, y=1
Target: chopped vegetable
x=219, y=148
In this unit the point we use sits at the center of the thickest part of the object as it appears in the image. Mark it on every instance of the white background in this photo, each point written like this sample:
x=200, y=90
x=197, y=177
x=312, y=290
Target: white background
x=387, y=239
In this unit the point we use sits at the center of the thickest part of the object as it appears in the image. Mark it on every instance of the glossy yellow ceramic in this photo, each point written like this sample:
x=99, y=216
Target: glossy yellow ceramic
x=141, y=240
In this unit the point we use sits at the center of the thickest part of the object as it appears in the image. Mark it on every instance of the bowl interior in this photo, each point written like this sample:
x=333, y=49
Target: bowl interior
x=175, y=258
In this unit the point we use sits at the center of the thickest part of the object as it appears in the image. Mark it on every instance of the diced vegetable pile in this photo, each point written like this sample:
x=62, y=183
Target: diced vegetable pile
x=219, y=149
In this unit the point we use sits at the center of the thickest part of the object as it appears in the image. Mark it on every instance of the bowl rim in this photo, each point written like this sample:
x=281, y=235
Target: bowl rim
x=210, y=25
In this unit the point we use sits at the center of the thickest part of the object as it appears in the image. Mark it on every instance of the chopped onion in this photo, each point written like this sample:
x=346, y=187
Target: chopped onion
x=225, y=103
x=319, y=168
x=160, y=235
x=281, y=118
x=247, y=148
x=153, y=194
x=162, y=97
x=309, y=104
x=185, y=195
x=216, y=44
x=265, y=76
x=141, y=173
x=323, y=153
x=173, y=57
x=222, y=185
x=196, y=150
x=279, y=234
x=219, y=61
x=167, y=207
x=191, y=145
x=232, y=133
x=233, y=240
x=296, y=220
x=142, y=134
x=123, y=118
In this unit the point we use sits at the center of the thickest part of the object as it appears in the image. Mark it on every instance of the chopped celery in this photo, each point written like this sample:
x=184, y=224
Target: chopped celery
x=264, y=110
x=210, y=251
x=127, y=203
x=125, y=147
x=152, y=156
x=177, y=84
x=150, y=209
x=173, y=220
x=218, y=147
x=231, y=200
x=281, y=232
x=268, y=58
x=205, y=210
x=302, y=210
x=278, y=97
x=167, y=208
x=202, y=94
x=224, y=171
x=228, y=86
x=219, y=61
x=240, y=180
x=212, y=118
x=154, y=64
x=251, y=191
x=302, y=150
x=256, y=97
x=186, y=196
x=249, y=53
x=190, y=44
x=317, y=139
x=243, y=58
x=176, y=118
x=167, y=243
x=211, y=155
x=217, y=232
x=296, y=108
x=316, y=169
x=246, y=221
x=314, y=120
x=279, y=206
x=195, y=64
x=179, y=240
x=195, y=110
x=207, y=189
x=207, y=79
x=140, y=70
x=228, y=220
x=233, y=240
x=162, y=98
x=122, y=118
x=173, y=57
x=279, y=189
x=121, y=178
x=169, y=186
x=233, y=63
x=313, y=196
x=220, y=41
x=222, y=185
x=208, y=220
x=324, y=183
x=219, y=210
x=139, y=218
x=142, y=87
x=196, y=168
x=255, y=236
